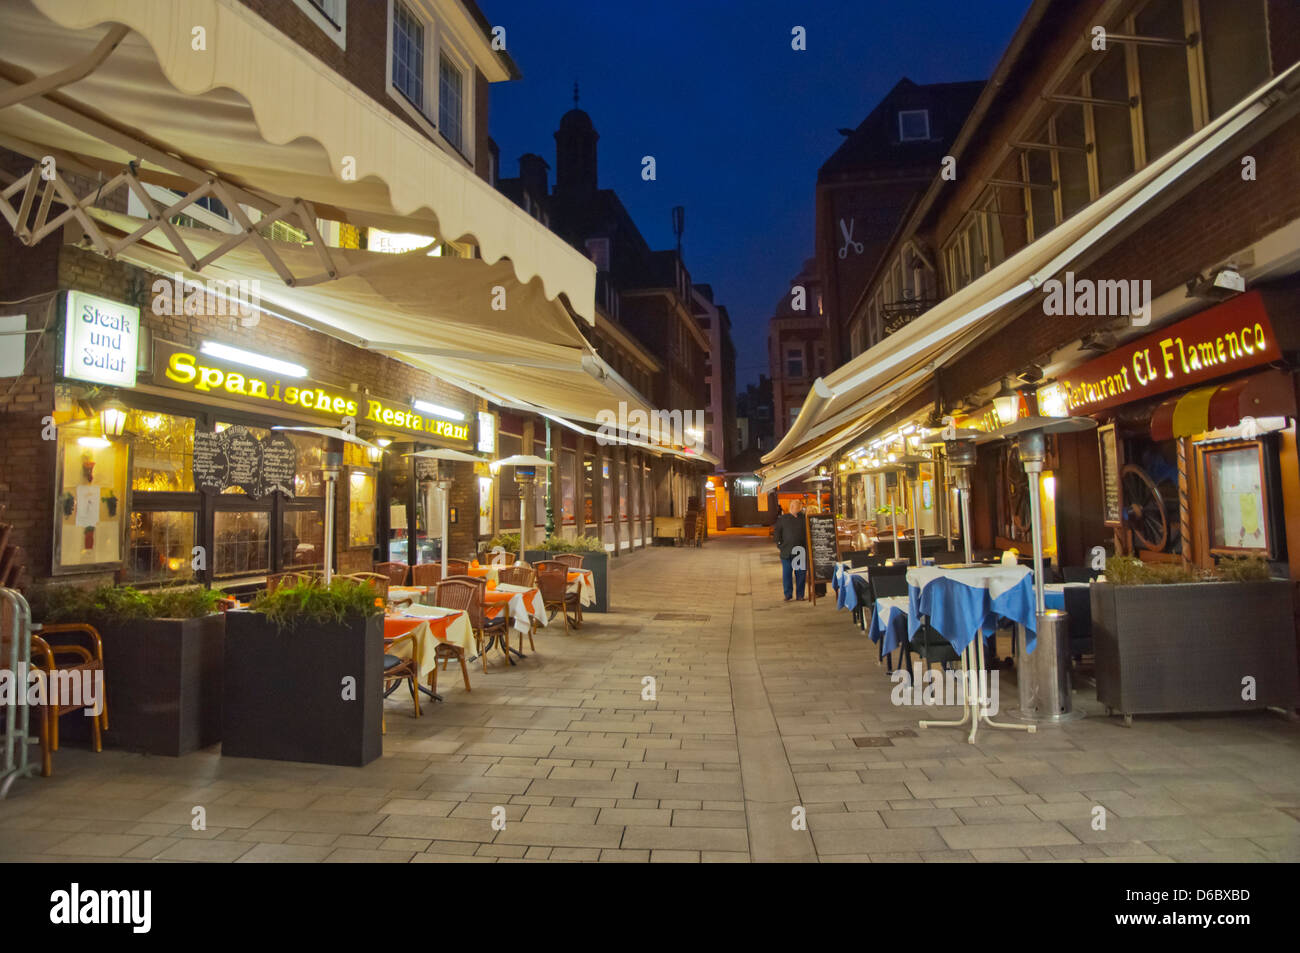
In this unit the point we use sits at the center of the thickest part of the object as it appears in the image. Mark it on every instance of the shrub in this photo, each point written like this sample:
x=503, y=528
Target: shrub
x=1244, y=569
x=311, y=602
x=113, y=605
x=1128, y=571
x=507, y=541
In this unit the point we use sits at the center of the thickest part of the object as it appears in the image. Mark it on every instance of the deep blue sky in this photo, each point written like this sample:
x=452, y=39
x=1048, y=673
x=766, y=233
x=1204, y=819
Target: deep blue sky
x=737, y=121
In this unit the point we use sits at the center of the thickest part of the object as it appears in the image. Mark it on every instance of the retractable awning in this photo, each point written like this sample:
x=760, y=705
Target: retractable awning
x=112, y=82
x=904, y=361
x=1217, y=407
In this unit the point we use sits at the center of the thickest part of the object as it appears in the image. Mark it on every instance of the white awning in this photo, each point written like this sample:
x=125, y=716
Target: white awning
x=255, y=110
x=855, y=393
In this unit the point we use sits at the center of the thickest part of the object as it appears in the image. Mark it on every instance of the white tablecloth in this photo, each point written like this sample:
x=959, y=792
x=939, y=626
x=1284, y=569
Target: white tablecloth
x=458, y=632
x=584, y=586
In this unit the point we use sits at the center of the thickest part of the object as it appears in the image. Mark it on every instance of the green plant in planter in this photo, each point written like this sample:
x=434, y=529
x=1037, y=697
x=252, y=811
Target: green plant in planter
x=1129, y=571
x=311, y=602
x=1244, y=569
x=107, y=606
x=507, y=541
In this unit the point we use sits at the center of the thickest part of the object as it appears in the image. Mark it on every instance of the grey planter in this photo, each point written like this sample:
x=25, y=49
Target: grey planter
x=163, y=684
x=1187, y=648
x=598, y=563
x=284, y=691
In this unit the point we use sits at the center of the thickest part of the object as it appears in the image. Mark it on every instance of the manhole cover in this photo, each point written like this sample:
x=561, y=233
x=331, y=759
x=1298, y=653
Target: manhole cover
x=901, y=733
x=680, y=617
x=875, y=741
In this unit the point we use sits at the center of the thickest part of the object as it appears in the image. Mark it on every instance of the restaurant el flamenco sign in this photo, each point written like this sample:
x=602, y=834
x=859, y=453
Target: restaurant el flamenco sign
x=197, y=373
x=1230, y=337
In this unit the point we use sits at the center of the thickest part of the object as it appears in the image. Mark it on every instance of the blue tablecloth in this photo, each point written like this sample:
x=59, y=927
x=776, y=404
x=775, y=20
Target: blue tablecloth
x=1054, y=600
x=958, y=607
x=890, y=634
x=848, y=589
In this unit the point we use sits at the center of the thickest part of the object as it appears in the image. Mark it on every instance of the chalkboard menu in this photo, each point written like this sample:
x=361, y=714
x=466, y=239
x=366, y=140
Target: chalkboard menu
x=238, y=457
x=1110, y=485
x=821, y=536
x=426, y=469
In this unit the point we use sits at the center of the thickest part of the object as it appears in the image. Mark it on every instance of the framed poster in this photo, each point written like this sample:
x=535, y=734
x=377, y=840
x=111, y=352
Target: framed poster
x=1112, y=501
x=91, y=503
x=1237, y=513
x=361, y=508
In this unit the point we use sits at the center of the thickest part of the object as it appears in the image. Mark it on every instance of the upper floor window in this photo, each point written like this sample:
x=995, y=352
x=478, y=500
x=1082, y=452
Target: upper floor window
x=408, y=54
x=794, y=362
x=598, y=252
x=451, y=102
x=913, y=125
x=330, y=15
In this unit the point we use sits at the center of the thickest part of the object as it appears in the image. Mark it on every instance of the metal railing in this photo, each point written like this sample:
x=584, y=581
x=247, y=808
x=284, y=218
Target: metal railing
x=16, y=642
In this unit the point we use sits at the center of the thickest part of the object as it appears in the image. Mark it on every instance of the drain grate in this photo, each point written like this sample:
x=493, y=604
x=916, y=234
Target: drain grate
x=680, y=617
x=901, y=733
x=873, y=741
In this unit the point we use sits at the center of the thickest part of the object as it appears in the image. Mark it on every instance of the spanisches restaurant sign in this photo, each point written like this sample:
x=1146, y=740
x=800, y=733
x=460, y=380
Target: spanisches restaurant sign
x=199, y=374
x=1229, y=337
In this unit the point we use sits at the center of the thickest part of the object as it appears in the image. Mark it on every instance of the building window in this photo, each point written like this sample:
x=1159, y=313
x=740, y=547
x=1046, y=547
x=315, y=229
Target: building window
x=794, y=362
x=1166, y=94
x=914, y=125
x=408, y=54
x=598, y=252
x=331, y=16
x=1071, y=159
x=451, y=102
x=1235, y=50
x=161, y=546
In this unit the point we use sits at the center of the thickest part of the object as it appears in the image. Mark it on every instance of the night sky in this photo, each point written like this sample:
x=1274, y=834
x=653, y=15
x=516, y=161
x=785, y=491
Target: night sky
x=737, y=121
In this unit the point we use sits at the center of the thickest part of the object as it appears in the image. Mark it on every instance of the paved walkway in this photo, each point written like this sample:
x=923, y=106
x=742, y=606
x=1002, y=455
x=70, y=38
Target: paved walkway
x=755, y=711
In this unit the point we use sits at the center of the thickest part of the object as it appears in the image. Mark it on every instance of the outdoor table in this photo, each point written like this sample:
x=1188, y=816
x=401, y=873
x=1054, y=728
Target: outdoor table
x=849, y=594
x=889, y=618
x=583, y=583
x=414, y=593
x=490, y=573
x=429, y=623
x=518, y=602
x=961, y=604
x=1054, y=593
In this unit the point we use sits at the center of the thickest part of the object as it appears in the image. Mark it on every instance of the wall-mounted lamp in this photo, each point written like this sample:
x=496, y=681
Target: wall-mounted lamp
x=112, y=419
x=1006, y=402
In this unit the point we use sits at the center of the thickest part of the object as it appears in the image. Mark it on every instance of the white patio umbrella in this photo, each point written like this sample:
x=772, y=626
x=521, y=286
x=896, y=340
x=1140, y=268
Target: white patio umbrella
x=528, y=461
x=458, y=456
x=330, y=464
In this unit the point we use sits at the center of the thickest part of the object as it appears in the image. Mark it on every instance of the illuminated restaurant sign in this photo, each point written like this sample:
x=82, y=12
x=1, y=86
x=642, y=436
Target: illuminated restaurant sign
x=1222, y=340
x=202, y=375
x=100, y=338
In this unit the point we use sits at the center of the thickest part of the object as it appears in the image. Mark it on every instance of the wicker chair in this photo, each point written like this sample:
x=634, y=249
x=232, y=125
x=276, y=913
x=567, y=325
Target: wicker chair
x=466, y=594
x=521, y=575
x=398, y=670
x=457, y=567
x=426, y=574
x=553, y=581
x=88, y=651
x=377, y=580
x=396, y=572
x=572, y=560
x=275, y=580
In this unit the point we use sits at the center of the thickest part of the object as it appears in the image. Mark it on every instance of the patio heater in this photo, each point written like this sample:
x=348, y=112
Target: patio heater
x=331, y=461
x=1043, y=676
x=909, y=465
x=960, y=444
x=525, y=465
x=445, y=458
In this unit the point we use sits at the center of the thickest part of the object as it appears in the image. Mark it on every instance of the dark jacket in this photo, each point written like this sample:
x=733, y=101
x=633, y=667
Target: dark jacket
x=790, y=533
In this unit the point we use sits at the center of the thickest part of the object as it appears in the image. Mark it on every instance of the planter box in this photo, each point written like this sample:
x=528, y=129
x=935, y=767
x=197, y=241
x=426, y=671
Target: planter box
x=1186, y=648
x=598, y=563
x=284, y=691
x=162, y=680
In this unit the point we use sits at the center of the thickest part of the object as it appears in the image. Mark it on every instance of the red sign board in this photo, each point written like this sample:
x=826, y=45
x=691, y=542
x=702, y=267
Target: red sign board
x=1218, y=341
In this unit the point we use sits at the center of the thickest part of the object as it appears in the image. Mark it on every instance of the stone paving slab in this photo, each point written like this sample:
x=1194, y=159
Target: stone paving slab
x=747, y=752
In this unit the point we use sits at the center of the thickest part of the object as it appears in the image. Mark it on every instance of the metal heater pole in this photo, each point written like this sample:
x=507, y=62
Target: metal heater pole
x=893, y=512
x=331, y=475
x=916, y=515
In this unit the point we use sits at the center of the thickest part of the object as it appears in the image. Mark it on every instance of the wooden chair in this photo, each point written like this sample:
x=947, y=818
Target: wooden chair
x=398, y=670
x=378, y=581
x=46, y=652
x=573, y=561
x=396, y=572
x=457, y=567
x=553, y=581
x=466, y=594
x=275, y=580
x=426, y=574
x=521, y=575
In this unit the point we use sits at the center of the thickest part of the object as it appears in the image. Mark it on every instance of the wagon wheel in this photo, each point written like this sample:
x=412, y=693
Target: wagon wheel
x=1018, y=497
x=1144, y=508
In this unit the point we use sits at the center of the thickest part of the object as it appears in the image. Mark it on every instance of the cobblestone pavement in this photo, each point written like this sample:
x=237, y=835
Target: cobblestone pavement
x=757, y=705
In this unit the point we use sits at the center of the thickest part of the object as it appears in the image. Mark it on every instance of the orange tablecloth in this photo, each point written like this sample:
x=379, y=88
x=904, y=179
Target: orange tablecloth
x=453, y=628
x=523, y=606
x=582, y=582
x=484, y=572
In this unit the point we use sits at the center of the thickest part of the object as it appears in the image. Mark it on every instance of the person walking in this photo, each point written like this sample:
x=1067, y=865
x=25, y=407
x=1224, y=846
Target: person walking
x=790, y=533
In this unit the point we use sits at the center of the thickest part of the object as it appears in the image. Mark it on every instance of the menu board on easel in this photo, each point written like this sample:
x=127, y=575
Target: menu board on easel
x=823, y=549
x=1112, y=500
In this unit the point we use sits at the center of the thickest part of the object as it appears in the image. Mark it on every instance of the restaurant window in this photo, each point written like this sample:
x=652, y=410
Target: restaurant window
x=1112, y=129
x=243, y=542
x=408, y=54
x=567, y=510
x=634, y=488
x=361, y=507
x=607, y=489
x=451, y=102
x=163, y=451
x=623, y=471
x=1236, y=50
x=589, y=489
x=544, y=477
x=160, y=546
x=507, y=490
x=1166, y=94
x=302, y=537
x=993, y=226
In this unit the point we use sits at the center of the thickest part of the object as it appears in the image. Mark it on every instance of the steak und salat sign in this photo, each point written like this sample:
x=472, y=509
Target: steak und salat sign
x=101, y=339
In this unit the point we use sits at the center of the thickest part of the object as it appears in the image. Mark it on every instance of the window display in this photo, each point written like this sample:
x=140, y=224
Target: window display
x=1237, y=510
x=92, y=488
